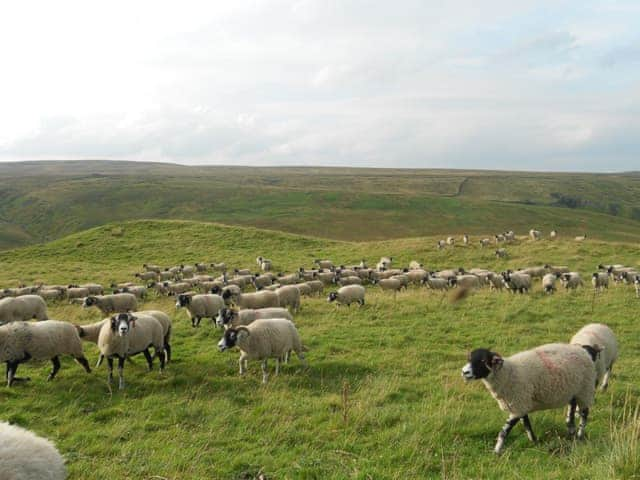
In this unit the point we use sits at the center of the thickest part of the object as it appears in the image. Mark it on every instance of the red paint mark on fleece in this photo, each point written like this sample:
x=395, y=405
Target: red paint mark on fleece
x=547, y=362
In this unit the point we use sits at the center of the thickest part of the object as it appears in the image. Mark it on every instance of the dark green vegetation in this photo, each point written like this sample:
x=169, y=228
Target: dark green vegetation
x=41, y=201
x=382, y=398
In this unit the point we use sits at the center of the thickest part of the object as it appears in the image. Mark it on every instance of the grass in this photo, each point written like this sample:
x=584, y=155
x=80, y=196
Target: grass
x=42, y=201
x=382, y=397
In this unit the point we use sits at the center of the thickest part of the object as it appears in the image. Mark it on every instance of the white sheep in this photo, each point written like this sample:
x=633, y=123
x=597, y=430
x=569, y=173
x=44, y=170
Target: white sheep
x=600, y=281
x=23, y=308
x=390, y=284
x=232, y=317
x=151, y=268
x=599, y=337
x=549, y=283
x=77, y=292
x=261, y=299
x=546, y=377
x=501, y=253
x=200, y=306
x=415, y=265
x=485, y=242
x=581, y=238
x=436, y=283
x=465, y=281
x=553, y=234
x=288, y=296
x=348, y=295
x=125, y=335
x=465, y=239
x=517, y=282
x=27, y=456
x=441, y=244
x=264, y=339
x=116, y=303
x=535, y=234
x=147, y=276
x=46, y=340
x=571, y=280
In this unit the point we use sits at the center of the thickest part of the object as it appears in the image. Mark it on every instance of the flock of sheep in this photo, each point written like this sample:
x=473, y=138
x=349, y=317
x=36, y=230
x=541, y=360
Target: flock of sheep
x=261, y=324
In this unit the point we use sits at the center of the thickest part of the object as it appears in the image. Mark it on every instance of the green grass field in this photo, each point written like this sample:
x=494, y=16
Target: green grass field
x=382, y=397
x=42, y=201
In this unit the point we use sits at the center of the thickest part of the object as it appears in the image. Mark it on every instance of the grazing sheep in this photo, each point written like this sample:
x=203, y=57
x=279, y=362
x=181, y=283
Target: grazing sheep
x=327, y=278
x=262, y=281
x=599, y=337
x=549, y=283
x=288, y=296
x=232, y=317
x=451, y=241
x=266, y=265
x=151, y=268
x=234, y=291
x=348, y=295
x=414, y=265
x=94, y=288
x=125, y=335
x=557, y=269
x=485, y=242
x=77, y=292
x=571, y=280
x=137, y=291
x=261, y=340
x=534, y=272
x=218, y=267
x=262, y=299
x=26, y=456
x=201, y=306
x=201, y=267
x=46, y=340
x=108, y=304
x=501, y=253
x=305, y=290
x=176, y=288
x=352, y=280
x=390, y=284
x=465, y=239
x=316, y=286
x=23, y=308
x=496, y=282
x=509, y=236
x=290, y=279
x=600, y=281
x=416, y=276
x=465, y=281
x=500, y=238
x=549, y=376
x=441, y=244
x=535, y=234
x=187, y=271
x=581, y=238
x=328, y=264
x=50, y=294
x=553, y=234
x=517, y=282
x=147, y=276
x=436, y=283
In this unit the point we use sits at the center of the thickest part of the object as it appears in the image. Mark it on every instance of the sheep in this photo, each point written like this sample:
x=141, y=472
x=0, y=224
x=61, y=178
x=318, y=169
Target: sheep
x=262, y=299
x=352, y=280
x=517, y=282
x=465, y=281
x=200, y=306
x=232, y=317
x=549, y=283
x=264, y=264
x=447, y=274
x=441, y=244
x=94, y=288
x=201, y=267
x=108, y=304
x=305, y=290
x=553, y=234
x=125, y=335
x=218, y=267
x=557, y=269
x=546, y=377
x=600, y=281
x=288, y=296
x=261, y=281
x=496, y=282
x=390, y=284
x=327, y=278
x=436, y=283
x=414, y=265
x=348, y=295
x=46, y=340
x=307, y=274
x=146, y=276
x=571, y=280
x=501, y=253
x=500, y=238
x=465, y=239
x=636, y=283
x=509, y=236
x=77, y=292
x=176, y=288
x=50, y=294
x=485, y=242
x=151, y=268
x=581, y=238
x=25, y=307
x=328, y=264
x=599, y=337
x=137, y=291
x=535, y=234
x=263, y=339
x=416, y=276
x=534, y=272
x=290, y=279
x=27, y=456
x=451, y=241
x=234, y=291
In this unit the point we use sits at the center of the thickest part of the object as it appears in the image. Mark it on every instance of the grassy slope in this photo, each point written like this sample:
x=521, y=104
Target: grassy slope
x=407, y=413
x=43, y=201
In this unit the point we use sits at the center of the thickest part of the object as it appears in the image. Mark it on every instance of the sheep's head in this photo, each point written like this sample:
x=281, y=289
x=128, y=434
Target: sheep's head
x=225, y=316
x=482, y=362
x=333, y=296
x=183, y=300
x=89, y=302
x=122, y=323
x=593, y=350
x=231, y=337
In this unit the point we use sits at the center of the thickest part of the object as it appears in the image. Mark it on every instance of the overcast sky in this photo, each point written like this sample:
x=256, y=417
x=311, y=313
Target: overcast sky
x=467, y=84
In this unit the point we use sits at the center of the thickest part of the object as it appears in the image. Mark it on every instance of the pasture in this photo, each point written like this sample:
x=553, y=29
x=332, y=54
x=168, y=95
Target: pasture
x=382, y=397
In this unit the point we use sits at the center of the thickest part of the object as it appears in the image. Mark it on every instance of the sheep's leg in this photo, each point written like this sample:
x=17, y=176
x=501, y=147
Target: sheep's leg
x=193, y=322
x=85, y=363
x=243, y=365
x=528, y=429
x=584, y=414
x=265, y=375
x=149, y=358
x=502, y=436
x=100, y=359
x=605, y=379
x=121, y=372
x=571, y=418
x=160, y=352
x=56, y=366
x=167, y=350
x=110, y=368
x=361, y=302
x=278, y=365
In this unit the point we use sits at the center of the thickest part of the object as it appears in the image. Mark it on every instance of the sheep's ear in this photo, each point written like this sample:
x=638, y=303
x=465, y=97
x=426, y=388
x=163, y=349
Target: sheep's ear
x=496, y=361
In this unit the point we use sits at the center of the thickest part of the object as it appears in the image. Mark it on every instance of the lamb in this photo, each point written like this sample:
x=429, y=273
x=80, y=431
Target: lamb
x=201, y=306
x=571, y=280
x=262, y=299
x=26, y=456
x=484, y=242
x=600, y=281
x=108, y=304
x=581, y=238
x=546, y=377
x=348, y=295
x=599, y=337
x=501, y=253
x=535, y=234
x=23, y=308
x=263, y=339
x=232, y=317
x=124, y=335
x=46, y=340
x=288, y=296
x=549, y=283
x=517, y=282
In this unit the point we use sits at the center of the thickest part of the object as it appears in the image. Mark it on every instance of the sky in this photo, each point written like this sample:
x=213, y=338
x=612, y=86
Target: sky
x=516, y=85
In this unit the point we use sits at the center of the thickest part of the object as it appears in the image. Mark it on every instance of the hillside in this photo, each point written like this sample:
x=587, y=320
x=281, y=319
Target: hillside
x=386, y=374
x=41, y=201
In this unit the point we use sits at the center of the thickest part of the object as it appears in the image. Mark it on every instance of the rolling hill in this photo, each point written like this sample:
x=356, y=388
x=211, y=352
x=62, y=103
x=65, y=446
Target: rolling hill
x=42, y=201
